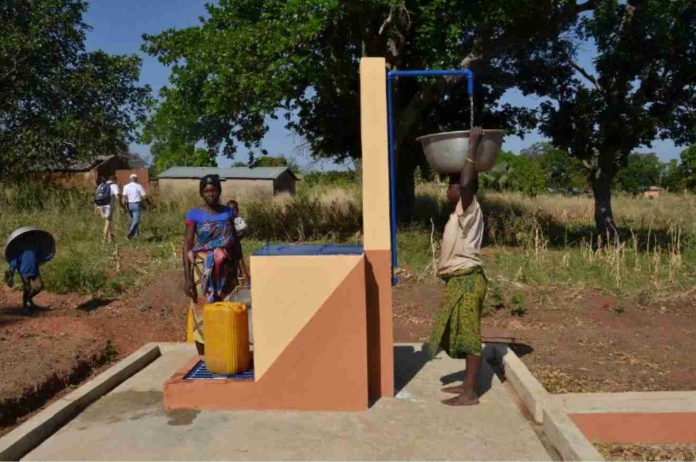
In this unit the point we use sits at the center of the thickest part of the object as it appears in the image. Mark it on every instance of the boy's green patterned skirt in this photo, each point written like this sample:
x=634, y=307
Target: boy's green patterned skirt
x=457, y=327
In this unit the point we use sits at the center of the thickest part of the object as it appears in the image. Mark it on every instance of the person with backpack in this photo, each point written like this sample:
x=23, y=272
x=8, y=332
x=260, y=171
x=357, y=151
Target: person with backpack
x=105, y=199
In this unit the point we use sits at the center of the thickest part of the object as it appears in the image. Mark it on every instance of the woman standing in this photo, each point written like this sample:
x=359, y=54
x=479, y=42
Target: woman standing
x=209, y=242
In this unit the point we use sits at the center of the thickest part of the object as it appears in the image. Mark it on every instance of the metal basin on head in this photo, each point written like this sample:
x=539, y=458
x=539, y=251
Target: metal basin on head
x=446, y=152
x=26, y=236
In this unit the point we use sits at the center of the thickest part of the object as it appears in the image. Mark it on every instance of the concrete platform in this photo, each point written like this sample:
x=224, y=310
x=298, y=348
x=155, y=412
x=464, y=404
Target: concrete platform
x=130, y=423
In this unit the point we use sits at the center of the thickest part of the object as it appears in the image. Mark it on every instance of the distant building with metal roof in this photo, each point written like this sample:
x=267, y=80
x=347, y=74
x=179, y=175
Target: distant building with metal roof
x=177, y=182
x=256, y=173
x=87, y=173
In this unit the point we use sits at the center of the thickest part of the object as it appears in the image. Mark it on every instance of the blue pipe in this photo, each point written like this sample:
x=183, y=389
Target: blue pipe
x=391, y=75
x=392, y=178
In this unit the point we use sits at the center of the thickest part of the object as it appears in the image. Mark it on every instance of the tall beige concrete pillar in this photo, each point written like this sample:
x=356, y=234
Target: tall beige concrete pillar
x=376, y=229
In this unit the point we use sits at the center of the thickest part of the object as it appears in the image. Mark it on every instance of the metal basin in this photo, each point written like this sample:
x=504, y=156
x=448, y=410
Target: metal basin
x=29, y=235
x=446, y=152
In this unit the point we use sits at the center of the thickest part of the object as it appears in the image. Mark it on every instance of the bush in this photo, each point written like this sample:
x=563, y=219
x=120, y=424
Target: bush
x=68, y=273
x=40, y=195
x=332, y=178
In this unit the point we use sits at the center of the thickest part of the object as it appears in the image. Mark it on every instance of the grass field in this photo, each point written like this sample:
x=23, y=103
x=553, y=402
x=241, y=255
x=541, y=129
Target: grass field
x=544, y=240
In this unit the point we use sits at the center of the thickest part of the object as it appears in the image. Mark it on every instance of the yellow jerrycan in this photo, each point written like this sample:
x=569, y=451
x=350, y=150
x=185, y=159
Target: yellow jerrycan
x=226, y=333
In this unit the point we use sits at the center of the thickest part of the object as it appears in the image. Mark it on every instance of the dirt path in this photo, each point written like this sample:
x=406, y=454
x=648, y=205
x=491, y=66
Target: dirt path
x=577, y=340
x=580, y=340
x=73, y=336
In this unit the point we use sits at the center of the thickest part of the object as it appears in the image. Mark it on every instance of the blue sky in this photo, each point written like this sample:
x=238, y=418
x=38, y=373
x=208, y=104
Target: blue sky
x=117, y=27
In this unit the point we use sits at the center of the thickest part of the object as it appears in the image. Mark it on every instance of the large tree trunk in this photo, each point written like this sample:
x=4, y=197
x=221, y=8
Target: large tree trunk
x=601, y=187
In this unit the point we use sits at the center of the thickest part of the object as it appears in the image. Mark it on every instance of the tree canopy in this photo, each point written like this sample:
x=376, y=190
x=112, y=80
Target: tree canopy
x=641, y=172
x=251, y=60
x=58, y=103
x=641, y=86
x=687, y=168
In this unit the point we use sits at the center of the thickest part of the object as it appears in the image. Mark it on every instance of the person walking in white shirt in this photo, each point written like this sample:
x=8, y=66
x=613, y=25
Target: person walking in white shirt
x=133, y=197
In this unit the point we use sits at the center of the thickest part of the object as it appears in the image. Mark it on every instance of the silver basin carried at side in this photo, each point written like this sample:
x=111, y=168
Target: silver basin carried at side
x=446, y=152
x=30, y=235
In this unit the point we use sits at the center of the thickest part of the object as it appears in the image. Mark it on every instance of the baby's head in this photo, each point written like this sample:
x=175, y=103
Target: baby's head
x=234, y=205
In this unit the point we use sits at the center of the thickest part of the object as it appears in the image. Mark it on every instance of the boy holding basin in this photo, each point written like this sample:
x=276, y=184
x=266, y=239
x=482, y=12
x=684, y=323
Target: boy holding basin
x=458, y=322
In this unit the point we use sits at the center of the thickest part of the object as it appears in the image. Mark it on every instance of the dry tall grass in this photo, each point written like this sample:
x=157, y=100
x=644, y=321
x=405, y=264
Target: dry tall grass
x=544, y=239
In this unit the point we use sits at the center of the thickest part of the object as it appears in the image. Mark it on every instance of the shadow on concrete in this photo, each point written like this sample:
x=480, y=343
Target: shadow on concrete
x=407, y=363
x=374, y=352
x=494, y=353
x=94, y=303
x=521, y=349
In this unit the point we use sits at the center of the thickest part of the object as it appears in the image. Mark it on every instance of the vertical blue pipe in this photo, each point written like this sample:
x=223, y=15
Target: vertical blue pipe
x=392, y=176
x=391, y=75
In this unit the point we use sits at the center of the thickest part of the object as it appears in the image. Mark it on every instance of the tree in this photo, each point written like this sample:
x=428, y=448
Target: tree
x=523, y=173
x=135, y=160
x=497, y=178
x=187, y=156
x=641, y=171
x=561, y=173
x=251, y=60
x=671, y=176
x=270, y=161
x=279, y=161
x=641, y=87
x=687, y=168
x=58, y=103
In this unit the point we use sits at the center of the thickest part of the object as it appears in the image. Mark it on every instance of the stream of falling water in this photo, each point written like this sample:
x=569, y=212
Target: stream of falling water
x=471, y=112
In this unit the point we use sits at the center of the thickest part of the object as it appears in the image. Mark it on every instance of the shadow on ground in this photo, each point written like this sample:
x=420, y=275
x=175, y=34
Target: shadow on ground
x=94, y=303
x=409, y=360
x=407, y=363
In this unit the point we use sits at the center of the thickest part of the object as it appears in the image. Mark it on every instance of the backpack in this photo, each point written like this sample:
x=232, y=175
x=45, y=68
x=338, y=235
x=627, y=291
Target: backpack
x=103, y=194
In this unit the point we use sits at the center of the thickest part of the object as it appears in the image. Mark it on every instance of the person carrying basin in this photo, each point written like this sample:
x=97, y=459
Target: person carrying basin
x=26, y=249
x=457, y=327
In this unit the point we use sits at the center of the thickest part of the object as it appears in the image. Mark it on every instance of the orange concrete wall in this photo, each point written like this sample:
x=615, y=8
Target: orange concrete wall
x=287, y=292
x=638, y=427
x=324, y=367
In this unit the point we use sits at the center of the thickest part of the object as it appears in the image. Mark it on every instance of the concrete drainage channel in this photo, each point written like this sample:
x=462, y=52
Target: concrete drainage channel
x=629, y=417
x=34, y=431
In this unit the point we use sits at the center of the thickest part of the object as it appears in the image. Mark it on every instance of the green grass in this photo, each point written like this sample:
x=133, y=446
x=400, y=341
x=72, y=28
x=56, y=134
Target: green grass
x=543, y=241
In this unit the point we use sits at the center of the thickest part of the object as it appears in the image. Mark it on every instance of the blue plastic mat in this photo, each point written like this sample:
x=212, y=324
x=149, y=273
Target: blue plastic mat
x=310, y=249
x=199, y=372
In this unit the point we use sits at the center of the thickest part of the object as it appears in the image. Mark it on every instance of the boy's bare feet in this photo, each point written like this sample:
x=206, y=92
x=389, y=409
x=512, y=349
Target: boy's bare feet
x=467, y=398
x=455, y=389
